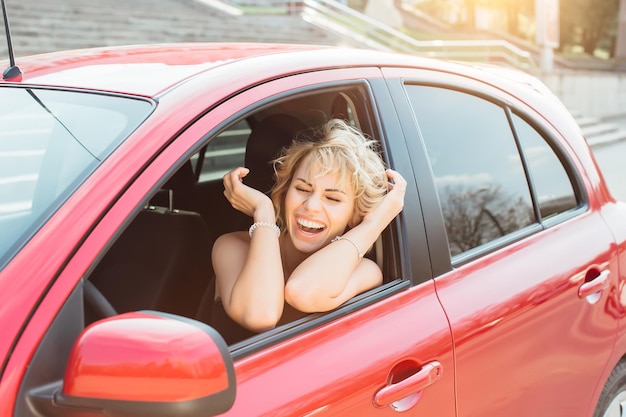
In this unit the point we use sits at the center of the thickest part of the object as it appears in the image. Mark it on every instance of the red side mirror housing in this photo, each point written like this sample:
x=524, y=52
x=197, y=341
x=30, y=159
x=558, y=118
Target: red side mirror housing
x=147, y=363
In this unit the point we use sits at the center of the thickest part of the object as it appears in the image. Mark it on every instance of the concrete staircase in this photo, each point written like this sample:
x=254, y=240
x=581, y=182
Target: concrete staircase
x=600, y=132
x=39, y=26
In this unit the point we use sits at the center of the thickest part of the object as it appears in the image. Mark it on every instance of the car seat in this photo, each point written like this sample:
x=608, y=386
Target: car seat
x=160, y=262
x=265, y=143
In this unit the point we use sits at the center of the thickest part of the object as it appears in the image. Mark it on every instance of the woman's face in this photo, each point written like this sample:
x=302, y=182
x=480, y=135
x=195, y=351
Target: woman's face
x=317, y=208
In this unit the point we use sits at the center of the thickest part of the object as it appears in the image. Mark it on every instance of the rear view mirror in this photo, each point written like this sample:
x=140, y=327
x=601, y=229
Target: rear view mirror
x=144, y=363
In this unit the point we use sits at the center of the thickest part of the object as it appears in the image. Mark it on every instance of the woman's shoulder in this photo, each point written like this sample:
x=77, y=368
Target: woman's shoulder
x=230, y=246
x=233, y=239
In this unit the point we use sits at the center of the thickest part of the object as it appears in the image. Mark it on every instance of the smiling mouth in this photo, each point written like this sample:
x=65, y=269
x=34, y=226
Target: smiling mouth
x=309, y=226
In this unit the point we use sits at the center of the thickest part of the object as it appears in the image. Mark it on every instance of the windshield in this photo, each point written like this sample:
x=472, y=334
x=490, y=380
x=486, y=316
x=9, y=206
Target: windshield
x=50, y=142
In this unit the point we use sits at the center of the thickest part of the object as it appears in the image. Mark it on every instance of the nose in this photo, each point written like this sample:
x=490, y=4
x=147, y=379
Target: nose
x=313, y=202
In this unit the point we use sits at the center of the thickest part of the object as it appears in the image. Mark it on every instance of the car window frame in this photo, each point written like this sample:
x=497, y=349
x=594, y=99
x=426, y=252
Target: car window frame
x=282, y=333
x=441, y=260
x=371, y=125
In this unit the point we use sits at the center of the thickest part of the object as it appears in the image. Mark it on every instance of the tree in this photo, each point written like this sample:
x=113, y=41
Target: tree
x=514, y=10
x=588, y=23
x=620, y=37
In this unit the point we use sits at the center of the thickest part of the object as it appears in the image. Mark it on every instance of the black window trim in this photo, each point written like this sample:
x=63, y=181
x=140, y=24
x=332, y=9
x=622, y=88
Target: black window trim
x=507, y=106
x=579, y=190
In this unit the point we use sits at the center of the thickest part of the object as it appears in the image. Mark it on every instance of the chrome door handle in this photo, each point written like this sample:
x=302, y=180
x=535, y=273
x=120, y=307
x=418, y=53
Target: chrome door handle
x=426, y=376
x=595, y=285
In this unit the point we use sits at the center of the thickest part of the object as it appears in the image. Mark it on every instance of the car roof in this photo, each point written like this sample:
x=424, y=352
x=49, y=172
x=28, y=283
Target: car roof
x=157, y=69
x=145, y=70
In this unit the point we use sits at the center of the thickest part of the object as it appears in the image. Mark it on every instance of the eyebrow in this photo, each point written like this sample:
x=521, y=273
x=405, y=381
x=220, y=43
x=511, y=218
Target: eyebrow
x=332, y=190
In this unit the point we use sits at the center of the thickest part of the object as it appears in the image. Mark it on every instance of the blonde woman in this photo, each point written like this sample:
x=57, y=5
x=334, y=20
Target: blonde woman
x=304, y=251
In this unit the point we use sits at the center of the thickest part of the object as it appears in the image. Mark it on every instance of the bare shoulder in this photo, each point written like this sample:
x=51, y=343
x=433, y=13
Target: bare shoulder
x=230, y=241
x=230, y=248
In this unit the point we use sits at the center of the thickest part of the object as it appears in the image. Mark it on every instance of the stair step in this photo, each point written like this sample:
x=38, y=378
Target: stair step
x=598, y=129
x=39, y=26
x=607, y=138
x=584, y=121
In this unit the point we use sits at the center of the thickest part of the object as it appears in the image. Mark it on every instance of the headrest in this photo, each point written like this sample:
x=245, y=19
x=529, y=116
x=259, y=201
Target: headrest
x=265, y=143
x=184, y=179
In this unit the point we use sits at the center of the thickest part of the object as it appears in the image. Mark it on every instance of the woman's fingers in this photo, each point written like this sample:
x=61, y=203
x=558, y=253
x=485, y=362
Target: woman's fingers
x=235, y=177
x=397, y=181
x=397, y=189
x=240, y=196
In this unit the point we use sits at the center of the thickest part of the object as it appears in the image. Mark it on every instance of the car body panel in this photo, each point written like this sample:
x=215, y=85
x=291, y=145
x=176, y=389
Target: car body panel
x=531, y=315
x=326, y=371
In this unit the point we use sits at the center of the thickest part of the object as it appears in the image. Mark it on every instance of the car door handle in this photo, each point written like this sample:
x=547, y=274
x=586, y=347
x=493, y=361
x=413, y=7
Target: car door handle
x=426, y=376
x=597, y=284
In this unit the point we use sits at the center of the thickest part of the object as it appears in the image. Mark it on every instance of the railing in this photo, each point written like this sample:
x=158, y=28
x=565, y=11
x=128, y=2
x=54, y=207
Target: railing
x=260, y=6
x=335, y=17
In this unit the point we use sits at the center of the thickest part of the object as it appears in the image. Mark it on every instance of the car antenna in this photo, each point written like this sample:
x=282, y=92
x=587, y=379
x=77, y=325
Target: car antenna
x=13, y=70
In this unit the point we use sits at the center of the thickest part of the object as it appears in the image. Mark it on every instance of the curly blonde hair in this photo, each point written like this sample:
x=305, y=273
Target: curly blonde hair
x=334, y=147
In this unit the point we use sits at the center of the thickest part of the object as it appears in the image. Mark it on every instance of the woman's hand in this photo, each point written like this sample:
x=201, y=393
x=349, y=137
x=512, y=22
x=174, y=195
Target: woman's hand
x=393, y=202
x=246, y=199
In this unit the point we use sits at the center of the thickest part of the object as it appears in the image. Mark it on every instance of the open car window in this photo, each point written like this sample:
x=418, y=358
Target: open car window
x=162, y=261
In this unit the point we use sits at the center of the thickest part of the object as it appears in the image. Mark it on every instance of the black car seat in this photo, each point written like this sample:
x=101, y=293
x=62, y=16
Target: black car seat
x=265, y=143
x=161, y=261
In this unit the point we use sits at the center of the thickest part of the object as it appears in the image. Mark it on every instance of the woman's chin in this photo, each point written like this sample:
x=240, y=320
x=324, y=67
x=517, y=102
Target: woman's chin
x=307, y=242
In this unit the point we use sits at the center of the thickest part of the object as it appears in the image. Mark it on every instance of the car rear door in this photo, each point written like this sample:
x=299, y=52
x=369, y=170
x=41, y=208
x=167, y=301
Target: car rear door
x=524, y=265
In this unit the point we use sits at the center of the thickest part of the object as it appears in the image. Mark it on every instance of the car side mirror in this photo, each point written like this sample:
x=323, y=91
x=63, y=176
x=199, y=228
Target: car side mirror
x=140, y=364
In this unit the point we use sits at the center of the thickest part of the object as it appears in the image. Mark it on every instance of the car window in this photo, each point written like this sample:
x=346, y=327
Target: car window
x=477, y=168
x=227, y=150
x=194, y=212
x=50, y=142
x=221, y=154
x=554, y=190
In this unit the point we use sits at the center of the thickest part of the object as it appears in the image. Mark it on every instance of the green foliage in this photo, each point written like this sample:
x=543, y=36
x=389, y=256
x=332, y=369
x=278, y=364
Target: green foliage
x=586, y=25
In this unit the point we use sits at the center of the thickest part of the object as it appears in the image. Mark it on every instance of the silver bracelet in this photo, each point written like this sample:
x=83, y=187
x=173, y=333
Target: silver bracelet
x=264, y=224
x=358, y=251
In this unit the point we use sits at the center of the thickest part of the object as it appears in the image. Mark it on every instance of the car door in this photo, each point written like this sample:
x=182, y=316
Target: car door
x=386, y=351
x=526, y=267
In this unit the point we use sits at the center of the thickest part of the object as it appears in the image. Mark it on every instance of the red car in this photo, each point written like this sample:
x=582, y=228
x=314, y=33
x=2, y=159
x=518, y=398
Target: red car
x=504, y=275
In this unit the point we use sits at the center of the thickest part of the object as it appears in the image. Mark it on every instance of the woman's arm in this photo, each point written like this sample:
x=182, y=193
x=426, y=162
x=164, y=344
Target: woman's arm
x=248, y=270
x=336, y=273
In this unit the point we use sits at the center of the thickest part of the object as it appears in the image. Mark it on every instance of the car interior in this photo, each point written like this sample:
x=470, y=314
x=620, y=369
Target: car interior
x=162, y=260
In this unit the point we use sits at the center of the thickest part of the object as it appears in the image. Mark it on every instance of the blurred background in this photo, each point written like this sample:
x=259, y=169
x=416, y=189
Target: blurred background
x=576, y=47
